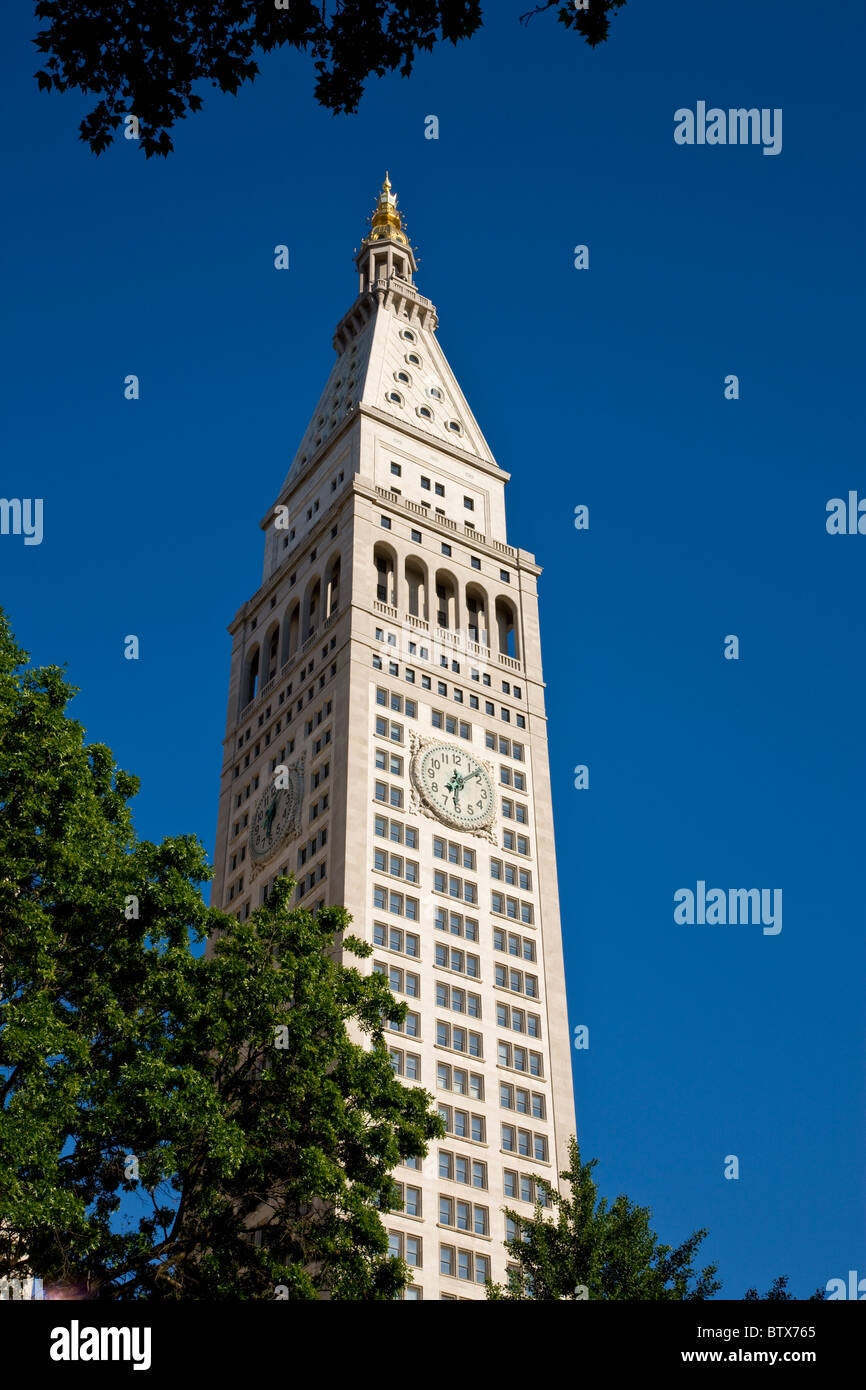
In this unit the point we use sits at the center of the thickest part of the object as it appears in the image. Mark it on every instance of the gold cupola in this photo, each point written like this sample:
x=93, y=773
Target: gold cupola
x=387, y=222
x=386, y=257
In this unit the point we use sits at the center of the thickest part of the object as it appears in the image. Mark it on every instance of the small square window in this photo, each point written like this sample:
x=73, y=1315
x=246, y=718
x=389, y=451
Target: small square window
x=505, y=576
x=476, y=563
x=425, y=483
x=440, y=490
x=416, y=536
x=469, y=504
x=446, y=549
x=396, y=470
x=386, y=522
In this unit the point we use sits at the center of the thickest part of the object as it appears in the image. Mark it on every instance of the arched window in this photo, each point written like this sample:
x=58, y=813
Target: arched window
x=250, y=687
x=386, y=574
x=273, y=652
x=291, y=629
x=312, y=604
x=506, y=628
x=446, y=599
x=416, y=588
x=476, y=614
x=332, y=594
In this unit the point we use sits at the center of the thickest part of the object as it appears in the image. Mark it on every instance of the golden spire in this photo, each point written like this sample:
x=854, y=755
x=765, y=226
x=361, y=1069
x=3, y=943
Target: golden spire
x=387, y=223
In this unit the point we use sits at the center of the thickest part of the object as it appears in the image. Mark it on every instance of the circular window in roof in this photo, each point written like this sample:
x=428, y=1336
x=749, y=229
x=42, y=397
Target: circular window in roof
x=435, y=393
x=407, y=334
x=395, y=397
x=404, y=377
x=455, y=426
x=425, y=411
x=413, y=359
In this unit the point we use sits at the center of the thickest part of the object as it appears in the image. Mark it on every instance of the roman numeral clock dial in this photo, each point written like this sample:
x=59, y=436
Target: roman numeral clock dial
x=276, y=816
x=454, y=786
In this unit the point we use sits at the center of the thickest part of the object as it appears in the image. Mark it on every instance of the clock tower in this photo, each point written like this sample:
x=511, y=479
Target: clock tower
x=386, y=743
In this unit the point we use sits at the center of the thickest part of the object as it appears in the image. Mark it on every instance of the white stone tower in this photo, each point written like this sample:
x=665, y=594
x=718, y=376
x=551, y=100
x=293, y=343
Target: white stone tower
x=391, y=659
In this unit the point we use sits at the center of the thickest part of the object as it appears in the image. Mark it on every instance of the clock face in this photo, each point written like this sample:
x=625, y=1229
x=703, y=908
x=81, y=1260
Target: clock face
x=455, y=786
x=274, y=818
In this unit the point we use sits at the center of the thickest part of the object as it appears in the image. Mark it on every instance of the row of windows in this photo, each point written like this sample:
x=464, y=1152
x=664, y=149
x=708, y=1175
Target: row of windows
x=457, y=1079
x=456, y=924
x=517, y=981
x=455, y=887
x=395, y=865
x=523, y=1101
x=389, y=728
x=321, y=743
x=406, y=1064
x=395, y=831
x=288, y=748
x=512, y=874
x=462, y=1124
x=389, y=699
x=389, y=762
x=391, y=796
x=451, y=724
x=411, y=1025
x=407, y=836
x=518, y=1020
x=457, y=1000
x=460, y=1264
x=442, y=687
x=450, y=996
x=318, y=717
x=307, y=883
x=400, y=981
x=460, y=961
x=471, y=1172
x=319, y=776
x=387, y=900
x=396, y=940
x=464, y=1216
x=454, y=853
x=504, y=746
x=519, y=1059
x=447, y=850
x=522, y=1187
x=312, y=846
x=458, y=1039
x=464, y=1264
x=514, y=945
x=469, y=1083
x=525, y=1143
x=511, y=907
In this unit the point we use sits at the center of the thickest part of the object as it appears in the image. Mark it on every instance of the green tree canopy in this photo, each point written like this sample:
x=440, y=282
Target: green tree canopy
x=576, y=1246
x=223, y=1092
x=146, y=58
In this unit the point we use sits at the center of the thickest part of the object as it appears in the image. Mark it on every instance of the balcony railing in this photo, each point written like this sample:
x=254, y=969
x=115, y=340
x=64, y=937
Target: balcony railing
x=407, y=505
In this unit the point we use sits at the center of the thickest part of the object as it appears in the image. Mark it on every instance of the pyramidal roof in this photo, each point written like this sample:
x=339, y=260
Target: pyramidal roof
x=388, y=356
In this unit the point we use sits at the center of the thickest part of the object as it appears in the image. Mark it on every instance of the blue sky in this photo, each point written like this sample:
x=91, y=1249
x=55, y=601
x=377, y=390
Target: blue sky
x=602, y=387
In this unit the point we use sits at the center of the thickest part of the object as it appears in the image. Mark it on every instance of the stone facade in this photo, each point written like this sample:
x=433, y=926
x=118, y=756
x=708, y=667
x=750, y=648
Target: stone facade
x=394, y=614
